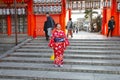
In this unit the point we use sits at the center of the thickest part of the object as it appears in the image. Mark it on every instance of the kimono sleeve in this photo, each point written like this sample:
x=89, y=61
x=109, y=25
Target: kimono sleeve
x=51, y=42
x=66, y=43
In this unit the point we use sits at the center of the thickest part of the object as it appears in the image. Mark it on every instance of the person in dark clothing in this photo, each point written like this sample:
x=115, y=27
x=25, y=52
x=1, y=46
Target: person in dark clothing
x=111, y=25
x=45, y=29
x=50, y=24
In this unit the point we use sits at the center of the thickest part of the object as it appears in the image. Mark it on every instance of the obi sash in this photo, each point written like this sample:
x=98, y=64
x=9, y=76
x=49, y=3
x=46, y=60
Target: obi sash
x=59, y=39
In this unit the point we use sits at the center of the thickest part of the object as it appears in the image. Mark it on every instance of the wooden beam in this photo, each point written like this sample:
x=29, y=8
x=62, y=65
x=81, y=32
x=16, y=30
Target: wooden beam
x=19, y=5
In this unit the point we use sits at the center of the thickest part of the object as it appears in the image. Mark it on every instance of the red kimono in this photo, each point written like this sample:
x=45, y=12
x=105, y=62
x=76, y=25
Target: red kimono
x=58, y=47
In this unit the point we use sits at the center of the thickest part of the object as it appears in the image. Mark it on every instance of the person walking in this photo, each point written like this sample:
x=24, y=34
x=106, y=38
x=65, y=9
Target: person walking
x=50, y=24
x=58, y=42
x=70, y=28
x=111, y=25
x=46, y=31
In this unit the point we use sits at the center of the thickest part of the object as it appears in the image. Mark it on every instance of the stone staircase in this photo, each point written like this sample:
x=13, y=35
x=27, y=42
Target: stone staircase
x=7, y=42
x=84, y=59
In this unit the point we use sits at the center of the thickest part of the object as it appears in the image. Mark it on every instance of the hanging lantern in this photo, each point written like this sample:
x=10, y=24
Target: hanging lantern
x=109, y=3
x=19, y=11
x=83, y=4
x=12, y=11
x=104, y=4
x=4, y=11
x=69, y=5
x=7, y=11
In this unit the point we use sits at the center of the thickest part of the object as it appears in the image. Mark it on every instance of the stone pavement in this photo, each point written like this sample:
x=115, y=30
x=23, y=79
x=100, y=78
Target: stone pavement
x=90, y=56
x=87, y=35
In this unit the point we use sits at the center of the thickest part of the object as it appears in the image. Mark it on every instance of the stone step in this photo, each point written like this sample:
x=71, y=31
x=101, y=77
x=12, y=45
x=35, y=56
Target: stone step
x=79, y=41
x=53, y=75
x=65, y=68
x=44, y=75
x=70, y=51
x=12, y=41
x=49, y=53
x=70, y=56
x=107, y=39
x=80, y=44
x=28, y=74
x=66, y=61
x=75, y=47
x=65, y=54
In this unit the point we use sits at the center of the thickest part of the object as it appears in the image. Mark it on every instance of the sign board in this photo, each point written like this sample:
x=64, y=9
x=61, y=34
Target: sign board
x=118, y=6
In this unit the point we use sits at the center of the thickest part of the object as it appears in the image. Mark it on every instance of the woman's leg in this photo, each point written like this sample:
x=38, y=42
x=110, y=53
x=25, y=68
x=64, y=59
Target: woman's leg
x=68, y=33
x=108, y=32
x=46, y=35
x=71, y=33
x=111, y=32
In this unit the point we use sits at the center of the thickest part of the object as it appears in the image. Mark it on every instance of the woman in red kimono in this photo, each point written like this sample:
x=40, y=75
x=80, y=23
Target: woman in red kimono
x=58, y=43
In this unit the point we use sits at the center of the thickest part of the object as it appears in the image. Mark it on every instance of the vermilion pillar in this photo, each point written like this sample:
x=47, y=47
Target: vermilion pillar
x=29, y=18
x=31, y=21
x=113, y=7
x=64, y=6
x=116, y=15
x=70, y=13
x=119, y=22
x=63, y=15
x=104, y=20
x=35, y=30
x=32, y=25
x=8, y=25
x=108, y=16
x=28, y=26
x=116, y=31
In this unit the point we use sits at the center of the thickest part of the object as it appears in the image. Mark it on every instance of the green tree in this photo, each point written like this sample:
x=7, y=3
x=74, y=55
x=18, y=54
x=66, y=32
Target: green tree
x=88, y=15
x=99, y=22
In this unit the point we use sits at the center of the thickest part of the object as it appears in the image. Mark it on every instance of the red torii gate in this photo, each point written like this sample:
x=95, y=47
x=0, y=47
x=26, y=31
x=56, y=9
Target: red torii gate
x=110, y=8
x=107, y=13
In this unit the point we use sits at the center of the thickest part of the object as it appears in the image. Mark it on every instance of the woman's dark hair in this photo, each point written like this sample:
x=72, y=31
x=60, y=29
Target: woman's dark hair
x=56, y=24
x=47, y=12
x=70, y=19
